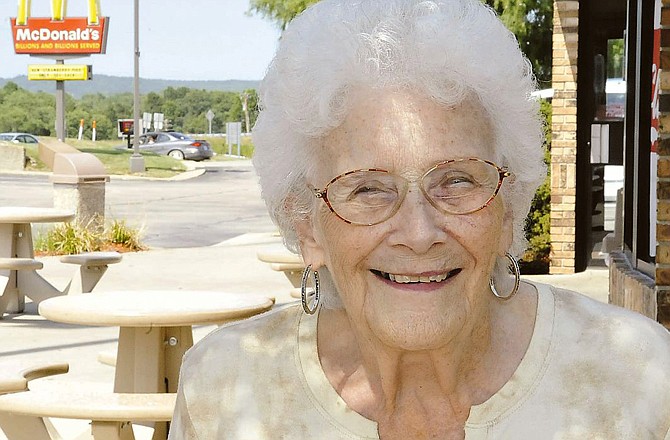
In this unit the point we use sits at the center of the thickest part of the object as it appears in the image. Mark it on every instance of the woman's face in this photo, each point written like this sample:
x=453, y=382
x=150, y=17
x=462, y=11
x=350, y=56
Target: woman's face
x=406, y=135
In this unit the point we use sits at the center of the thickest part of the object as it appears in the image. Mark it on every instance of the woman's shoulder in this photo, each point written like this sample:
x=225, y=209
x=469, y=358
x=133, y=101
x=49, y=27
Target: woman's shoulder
x=240, y=340
x=610, y=334
x=589, y=314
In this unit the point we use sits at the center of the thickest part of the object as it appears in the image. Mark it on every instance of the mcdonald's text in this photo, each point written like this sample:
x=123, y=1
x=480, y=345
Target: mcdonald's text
x=40, y=36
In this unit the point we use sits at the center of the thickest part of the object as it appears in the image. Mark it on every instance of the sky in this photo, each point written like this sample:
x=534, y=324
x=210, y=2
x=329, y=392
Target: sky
x=179, y=39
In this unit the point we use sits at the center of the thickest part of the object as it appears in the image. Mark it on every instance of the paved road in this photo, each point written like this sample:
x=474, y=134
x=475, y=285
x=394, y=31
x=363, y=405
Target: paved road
x=222, y=203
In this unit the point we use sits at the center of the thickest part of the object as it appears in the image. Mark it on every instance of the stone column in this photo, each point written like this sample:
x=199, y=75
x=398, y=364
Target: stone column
x=564, y=136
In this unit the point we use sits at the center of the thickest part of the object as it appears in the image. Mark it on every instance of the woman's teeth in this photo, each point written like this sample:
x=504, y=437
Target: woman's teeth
x=404, y=279
x=417, y=279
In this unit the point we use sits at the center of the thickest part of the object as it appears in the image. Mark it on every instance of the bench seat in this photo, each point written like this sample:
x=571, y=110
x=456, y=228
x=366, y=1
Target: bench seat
x=20, y=264
x=15, y=381
x=94, y=406
x=287, y=267
x=92, y=266
x=92, y=258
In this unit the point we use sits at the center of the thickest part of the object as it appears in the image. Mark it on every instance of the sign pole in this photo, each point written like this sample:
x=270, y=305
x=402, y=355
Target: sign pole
x=60, y=107
x=136, y=159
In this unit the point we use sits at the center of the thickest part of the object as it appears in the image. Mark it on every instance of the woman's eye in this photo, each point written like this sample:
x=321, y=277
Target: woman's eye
x=367, y=190
x=458, y=181
x=370, y=193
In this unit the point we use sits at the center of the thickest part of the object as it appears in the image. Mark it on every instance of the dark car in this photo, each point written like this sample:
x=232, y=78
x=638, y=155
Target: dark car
x=19, y=138
x=176, y=145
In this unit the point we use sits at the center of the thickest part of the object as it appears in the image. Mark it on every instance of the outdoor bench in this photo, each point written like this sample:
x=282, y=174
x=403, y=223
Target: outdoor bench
x=92, y=265
x=13, y=264
x=20, y=264
x=22, y=414
x=14, y=381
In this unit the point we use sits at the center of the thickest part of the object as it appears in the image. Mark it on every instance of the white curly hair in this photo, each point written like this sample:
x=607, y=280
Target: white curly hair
x=444, y=49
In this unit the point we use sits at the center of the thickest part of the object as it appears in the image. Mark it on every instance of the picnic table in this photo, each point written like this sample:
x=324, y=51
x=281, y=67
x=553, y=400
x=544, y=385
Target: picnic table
x=155, y=329
x=18, y=268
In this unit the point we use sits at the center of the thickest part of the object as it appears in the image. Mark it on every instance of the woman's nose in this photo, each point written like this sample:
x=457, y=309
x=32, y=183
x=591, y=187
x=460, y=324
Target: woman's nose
x=417, y=224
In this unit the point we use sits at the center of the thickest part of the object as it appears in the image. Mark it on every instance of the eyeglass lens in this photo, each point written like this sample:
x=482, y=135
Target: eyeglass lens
x=369, y=197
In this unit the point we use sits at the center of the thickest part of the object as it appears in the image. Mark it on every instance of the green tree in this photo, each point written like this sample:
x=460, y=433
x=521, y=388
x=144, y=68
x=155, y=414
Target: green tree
x=536, y=257
x=279, y=11
x=529, y=20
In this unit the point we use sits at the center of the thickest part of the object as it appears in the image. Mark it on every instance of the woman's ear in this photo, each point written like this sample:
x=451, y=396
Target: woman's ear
x=310, y=248
x=506, y=233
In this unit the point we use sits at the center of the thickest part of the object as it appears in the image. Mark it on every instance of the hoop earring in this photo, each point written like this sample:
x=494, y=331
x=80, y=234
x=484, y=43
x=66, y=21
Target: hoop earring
x=303, y=290
x=517, y=279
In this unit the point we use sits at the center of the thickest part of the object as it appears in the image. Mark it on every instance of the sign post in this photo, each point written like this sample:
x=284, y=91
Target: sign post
x=158, y=121
x=233, y=136
x=210, y=115
x=59, y=37
x=146, y=122
x=60, y=108
x=136, y=160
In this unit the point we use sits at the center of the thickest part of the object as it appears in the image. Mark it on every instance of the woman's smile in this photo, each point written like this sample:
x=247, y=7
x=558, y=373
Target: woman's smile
x=418, y=281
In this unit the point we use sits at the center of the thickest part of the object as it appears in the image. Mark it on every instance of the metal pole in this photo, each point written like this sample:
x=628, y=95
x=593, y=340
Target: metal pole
x=136, y=160
x=60, y=108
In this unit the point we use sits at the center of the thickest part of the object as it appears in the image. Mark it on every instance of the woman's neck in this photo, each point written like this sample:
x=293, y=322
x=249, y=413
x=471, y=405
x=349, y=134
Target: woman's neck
x=412, y=388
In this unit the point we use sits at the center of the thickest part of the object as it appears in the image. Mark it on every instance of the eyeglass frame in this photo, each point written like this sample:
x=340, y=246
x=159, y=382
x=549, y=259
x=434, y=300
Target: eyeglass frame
x=503, y=172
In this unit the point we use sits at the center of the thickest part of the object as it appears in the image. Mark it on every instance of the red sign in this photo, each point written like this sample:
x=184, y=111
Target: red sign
x=70, y=36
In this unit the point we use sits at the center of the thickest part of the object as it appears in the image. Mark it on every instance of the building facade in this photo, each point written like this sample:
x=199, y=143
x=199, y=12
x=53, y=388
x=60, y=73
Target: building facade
x=594, y=43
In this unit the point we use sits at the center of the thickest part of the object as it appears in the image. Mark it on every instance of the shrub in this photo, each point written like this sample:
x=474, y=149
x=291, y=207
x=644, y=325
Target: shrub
x=536, y=257
x=118, y=233
x=68, y=238
x=73, y=238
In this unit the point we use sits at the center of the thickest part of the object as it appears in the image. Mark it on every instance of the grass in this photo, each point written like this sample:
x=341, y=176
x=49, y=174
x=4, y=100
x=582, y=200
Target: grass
x=73, y=238
x=219, y=145
x=115, y=161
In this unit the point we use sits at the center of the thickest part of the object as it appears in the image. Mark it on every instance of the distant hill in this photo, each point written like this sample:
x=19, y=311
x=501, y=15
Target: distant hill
x=111, y=85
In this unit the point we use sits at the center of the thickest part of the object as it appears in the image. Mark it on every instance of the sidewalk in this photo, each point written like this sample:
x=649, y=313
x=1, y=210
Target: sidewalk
x=231, y=266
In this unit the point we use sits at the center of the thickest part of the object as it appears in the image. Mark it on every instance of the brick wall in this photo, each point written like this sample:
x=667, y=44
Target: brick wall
x=663, y=172
x=629, y=287
x=564, y=136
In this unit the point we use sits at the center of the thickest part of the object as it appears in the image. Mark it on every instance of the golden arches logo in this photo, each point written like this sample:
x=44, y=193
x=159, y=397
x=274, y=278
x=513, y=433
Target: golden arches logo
x=58, y=11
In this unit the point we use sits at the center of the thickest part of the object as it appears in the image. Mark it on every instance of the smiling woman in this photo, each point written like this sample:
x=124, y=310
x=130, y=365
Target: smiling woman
x=398, y=150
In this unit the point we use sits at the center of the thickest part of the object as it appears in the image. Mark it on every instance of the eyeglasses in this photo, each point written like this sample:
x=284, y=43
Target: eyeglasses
x=370, y=196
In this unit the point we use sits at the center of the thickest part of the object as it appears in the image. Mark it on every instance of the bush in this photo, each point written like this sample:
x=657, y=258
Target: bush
x=536, y=257
x=73, y=238
x=68, y=238
x=119, y=234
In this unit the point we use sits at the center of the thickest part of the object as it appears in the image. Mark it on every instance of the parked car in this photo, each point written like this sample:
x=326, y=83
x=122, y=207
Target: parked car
x=19, y=138
x=176, y=145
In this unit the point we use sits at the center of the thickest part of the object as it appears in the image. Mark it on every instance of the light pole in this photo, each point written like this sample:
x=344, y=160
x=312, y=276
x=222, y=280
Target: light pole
x=136, y=159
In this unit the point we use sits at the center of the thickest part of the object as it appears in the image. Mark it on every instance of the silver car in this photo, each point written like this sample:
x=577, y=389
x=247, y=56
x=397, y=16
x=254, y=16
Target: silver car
x=176, y=145
x=19, y=138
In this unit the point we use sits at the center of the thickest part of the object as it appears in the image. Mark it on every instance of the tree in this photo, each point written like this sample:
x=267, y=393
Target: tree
x=280, y=11
x=529, y=20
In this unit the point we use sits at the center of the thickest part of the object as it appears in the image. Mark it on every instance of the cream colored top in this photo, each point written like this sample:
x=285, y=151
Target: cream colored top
x=591, y=371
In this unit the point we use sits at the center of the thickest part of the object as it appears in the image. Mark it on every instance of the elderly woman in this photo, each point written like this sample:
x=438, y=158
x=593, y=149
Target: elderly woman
x=398, y=150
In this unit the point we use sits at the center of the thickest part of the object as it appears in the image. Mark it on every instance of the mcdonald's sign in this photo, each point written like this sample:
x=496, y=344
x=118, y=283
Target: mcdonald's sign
x=59, y=34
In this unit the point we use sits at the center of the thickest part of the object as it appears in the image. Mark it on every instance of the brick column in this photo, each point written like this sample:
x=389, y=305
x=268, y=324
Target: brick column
x=663, y=174
x=564, y=136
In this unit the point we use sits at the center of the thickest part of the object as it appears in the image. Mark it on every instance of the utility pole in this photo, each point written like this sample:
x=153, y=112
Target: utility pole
x=136, y=160
x=245, y=109
x=60, y=107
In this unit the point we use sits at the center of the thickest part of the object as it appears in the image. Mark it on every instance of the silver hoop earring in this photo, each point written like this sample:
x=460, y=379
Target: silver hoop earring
x=304, y=293
x=517, y=279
